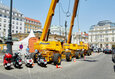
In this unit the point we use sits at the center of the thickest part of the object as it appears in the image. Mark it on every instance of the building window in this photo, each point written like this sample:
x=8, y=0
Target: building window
x=13, y=18
x=4, y=20
x=17, y=27
x=4, y=30
x=16, y=31
x=112, y=31
x=3, y=10
x=21, y=15
x=106, y=31
x=113, y=39
x=106, y=39
x=17, y=19
x=20, y=23
x=13, y=22
x=17, y=23
x=5, y=16
x=20, y=28
x=4, y=25
x=0, y=14
x=15, y=14
x=0, y=19
x=12, y=31
x=106, y=45
x=7, y=12
x=12, y=27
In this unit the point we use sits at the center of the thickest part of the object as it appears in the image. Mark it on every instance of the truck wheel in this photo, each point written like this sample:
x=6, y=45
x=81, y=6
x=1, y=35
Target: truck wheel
x=77, y=55
x=68, y=56
x=82, y=54
x=88, y=53
x=57, y=59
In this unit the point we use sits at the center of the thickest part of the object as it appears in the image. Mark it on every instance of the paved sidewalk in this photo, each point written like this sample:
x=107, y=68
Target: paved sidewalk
x=1, y=59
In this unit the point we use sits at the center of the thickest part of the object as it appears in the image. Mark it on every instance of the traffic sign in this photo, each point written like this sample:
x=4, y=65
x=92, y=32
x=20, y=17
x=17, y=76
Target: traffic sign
x=21, y=46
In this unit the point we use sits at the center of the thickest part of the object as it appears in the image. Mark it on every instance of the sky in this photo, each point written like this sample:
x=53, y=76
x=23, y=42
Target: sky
x=89, y=12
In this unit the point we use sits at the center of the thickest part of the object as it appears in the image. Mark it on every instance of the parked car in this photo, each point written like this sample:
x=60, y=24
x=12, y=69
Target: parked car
x=113, y=55
x=95, y=50
x=107, y=51
x=100, y=49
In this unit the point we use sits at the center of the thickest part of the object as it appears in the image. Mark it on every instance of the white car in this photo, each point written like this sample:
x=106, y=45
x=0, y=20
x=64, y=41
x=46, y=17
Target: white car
x=95, y=50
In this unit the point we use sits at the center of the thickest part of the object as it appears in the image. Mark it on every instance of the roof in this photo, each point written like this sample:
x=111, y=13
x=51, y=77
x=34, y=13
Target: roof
x=32, y=20
x=102, y=23
x=86, y=34
x=2, y=6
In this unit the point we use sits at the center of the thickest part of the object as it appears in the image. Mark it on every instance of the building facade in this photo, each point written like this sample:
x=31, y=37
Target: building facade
x=17, y=21
x=52, y=37
x=31, y=24
x=79, y=36
x=102, y=35
x=58, y=30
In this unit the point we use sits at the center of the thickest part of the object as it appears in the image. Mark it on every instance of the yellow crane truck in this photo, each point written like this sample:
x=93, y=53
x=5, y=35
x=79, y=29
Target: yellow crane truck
x=51, y=50
x=69, y=48
x=75, y=50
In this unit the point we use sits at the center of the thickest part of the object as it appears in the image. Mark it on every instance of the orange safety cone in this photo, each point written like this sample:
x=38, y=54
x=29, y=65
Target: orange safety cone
x=74, y=60
x=58, y=66
x=33, y=64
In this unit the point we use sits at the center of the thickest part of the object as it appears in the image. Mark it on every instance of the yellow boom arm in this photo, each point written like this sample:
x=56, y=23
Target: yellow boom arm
x=72, y=20
x=48, y=19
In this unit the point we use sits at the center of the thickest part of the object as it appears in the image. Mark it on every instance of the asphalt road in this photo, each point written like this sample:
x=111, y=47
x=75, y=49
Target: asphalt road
x=96, y=66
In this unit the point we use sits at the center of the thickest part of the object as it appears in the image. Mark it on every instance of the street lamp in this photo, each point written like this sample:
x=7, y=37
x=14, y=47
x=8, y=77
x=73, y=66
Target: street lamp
x=65, y=31
x=9, y=40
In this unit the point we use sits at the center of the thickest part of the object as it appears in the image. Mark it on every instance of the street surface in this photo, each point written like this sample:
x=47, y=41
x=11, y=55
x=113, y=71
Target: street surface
x=96, y=66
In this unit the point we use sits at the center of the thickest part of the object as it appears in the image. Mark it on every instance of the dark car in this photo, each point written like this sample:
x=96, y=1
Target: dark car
x=113, y=55
x=107, y=51
x=100, y=50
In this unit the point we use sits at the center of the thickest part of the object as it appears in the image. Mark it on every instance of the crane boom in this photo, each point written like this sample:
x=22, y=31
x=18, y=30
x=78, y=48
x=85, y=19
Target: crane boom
x=72, y=20
x=48, y=19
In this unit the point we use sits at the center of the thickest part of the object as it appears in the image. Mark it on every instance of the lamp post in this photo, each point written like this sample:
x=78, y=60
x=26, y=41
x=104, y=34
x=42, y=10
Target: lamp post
x=66, y=31
x=9, y=40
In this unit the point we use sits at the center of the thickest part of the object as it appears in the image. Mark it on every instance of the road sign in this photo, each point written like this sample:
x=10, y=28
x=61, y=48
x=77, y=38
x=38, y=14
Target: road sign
x=21, y=46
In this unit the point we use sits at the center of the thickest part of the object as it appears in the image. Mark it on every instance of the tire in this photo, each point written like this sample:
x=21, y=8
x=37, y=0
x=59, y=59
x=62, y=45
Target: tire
x=57, y=59
x=8, y=68
x=68, y=56
x=77, y=55
x=113, y=58
x=82, y=54
x=43, y=65
x=35, y=58
x=88, y=52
